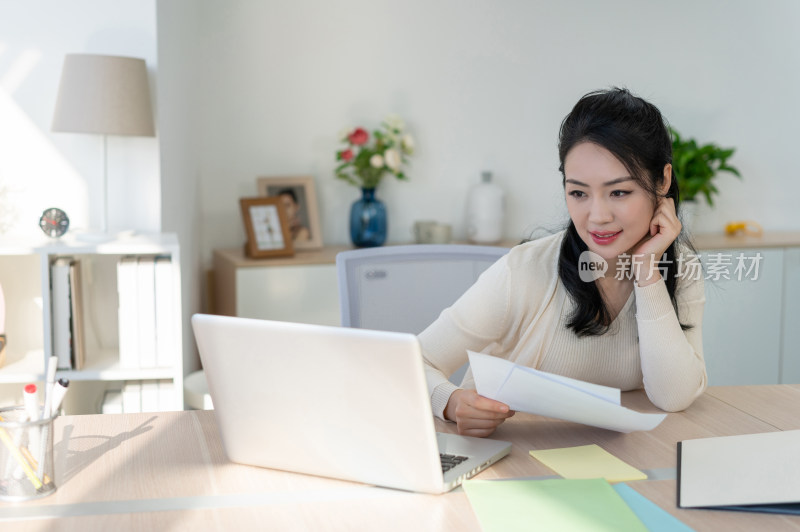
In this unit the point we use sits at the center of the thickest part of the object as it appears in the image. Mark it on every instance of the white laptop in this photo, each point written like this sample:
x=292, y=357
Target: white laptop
x=336, y=402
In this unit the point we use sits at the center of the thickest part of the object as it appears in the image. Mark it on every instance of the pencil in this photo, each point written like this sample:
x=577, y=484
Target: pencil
x=15, y=452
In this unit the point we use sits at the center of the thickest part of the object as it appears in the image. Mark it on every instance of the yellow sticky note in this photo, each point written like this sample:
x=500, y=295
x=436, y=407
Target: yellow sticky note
x=588, y=461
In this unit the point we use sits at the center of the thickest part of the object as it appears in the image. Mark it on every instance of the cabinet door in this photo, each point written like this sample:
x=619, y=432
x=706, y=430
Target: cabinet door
x=743, y=314
x=303, y=293
x=790, y=356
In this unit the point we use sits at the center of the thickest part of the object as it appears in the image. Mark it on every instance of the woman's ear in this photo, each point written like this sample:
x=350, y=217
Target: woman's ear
x=667, y=179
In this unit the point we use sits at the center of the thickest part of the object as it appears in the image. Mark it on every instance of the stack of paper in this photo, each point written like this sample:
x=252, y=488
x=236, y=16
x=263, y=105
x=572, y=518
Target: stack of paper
x=563, y=505
x=584, y=500
x=545, y=394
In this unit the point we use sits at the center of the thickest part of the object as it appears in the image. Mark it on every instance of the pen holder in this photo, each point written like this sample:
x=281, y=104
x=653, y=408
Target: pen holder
x=26, y=456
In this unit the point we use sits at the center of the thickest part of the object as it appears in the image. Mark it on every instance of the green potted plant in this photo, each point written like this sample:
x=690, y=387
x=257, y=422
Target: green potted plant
x=695, y=167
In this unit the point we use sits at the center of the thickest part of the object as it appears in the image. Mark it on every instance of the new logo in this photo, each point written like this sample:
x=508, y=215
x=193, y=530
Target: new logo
x=591, y=266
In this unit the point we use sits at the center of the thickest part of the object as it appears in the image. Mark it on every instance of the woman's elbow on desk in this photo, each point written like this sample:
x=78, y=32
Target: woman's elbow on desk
x=676, y=401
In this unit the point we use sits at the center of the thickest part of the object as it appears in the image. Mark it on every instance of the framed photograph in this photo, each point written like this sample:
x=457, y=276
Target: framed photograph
x=300, y=202
x=267, y=228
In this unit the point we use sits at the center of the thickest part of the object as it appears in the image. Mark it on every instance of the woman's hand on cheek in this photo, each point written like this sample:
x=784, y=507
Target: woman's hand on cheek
x=664, y=229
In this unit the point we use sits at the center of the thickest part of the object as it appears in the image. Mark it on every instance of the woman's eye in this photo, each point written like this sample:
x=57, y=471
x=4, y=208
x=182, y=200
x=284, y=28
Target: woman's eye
x=620, y=193
x=576, y=193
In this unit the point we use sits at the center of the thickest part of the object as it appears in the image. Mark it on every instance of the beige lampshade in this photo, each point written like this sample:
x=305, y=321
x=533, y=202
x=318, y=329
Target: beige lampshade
x=103, y=94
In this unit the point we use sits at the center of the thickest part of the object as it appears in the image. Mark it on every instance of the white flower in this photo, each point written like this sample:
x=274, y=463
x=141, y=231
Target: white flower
x=408, y=143
x=395, y=122
x=392, y=157
x=376, y=160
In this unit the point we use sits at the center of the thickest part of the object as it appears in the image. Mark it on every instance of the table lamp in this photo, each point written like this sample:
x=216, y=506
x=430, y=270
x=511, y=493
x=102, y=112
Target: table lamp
x=104, y=95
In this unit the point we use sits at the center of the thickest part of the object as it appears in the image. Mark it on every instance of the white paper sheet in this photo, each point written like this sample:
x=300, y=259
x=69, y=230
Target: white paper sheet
x=537, y=392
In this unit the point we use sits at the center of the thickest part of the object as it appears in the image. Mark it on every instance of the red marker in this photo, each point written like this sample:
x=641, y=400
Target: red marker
x=31, y=402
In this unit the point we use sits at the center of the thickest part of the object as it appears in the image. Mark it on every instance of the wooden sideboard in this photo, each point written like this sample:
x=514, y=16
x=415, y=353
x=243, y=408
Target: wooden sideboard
x=751, y=327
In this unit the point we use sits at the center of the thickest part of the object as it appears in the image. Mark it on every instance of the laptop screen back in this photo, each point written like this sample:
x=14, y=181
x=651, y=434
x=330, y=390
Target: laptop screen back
x=328, y=401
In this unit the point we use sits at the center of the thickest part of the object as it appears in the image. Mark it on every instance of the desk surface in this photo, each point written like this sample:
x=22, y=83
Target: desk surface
x=167, y=471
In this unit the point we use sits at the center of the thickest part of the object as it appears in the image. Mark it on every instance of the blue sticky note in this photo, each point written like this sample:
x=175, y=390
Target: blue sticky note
x=649, y=513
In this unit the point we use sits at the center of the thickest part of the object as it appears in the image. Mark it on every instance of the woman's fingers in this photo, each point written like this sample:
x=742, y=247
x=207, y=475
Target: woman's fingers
x=476, y=415
x=485, y=407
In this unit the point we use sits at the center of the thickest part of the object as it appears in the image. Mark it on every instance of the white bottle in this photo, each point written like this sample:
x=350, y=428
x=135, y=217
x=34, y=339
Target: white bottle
x=485, y=211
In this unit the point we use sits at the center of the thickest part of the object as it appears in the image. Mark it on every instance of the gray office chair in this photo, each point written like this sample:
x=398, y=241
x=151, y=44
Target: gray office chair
x=405, y=288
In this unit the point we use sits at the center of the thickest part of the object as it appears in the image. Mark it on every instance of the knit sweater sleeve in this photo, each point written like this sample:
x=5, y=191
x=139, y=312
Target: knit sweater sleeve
x=673, y=369
x=476, y=320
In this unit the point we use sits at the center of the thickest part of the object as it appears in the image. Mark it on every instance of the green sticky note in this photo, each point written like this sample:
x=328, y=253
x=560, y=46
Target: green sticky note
x=588, y=461
x=561, y=505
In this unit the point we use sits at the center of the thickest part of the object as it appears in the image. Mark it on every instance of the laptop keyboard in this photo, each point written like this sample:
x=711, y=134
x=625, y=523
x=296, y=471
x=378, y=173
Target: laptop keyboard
x=449, y=461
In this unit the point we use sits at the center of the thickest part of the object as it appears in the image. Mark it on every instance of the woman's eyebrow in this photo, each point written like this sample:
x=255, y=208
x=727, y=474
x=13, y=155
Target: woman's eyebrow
x=606, y=184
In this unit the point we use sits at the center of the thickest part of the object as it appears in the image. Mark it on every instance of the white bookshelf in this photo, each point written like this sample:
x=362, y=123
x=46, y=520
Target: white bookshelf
x=25, y=278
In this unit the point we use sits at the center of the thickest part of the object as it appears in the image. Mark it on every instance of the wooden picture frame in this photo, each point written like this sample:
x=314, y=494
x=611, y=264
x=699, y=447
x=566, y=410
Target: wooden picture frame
x=267, y=228
x=300, y=202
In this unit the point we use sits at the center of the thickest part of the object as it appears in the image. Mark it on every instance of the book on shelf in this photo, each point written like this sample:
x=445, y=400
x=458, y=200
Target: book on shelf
x=61, y=312
x=146, y=305
x=69, y=344
x=128, y=313
x=166, y=395
x=112, y=402
x=140, y=396
x=76, y=307
x=149, y=401
x=132, y=397
x=165, y=311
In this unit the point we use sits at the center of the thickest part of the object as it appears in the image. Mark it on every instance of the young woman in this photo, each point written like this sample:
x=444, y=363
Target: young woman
x=637, y=326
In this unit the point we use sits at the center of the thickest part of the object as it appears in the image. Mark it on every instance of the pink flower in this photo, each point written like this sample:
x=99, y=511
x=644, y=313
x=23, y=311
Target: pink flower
x=346, y=155
x=358, y=137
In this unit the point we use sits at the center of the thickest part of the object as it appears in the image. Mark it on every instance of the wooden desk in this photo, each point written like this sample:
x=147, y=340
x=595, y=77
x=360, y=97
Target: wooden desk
x=167, y=471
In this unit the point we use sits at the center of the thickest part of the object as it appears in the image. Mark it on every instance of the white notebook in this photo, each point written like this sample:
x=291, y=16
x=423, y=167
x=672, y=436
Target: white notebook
x=752, y=472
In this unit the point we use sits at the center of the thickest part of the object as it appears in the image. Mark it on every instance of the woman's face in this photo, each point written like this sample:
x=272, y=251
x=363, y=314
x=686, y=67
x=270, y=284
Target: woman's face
x=610, y=210
x=289, y=205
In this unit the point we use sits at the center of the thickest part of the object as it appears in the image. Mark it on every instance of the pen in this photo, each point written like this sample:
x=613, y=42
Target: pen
x=15, y=452
x=52, y=362
x=59, y=391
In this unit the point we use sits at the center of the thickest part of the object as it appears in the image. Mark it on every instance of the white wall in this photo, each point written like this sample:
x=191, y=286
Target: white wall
x=484, y=85
x=251, y=88
x=179, y=79
x=39, y=168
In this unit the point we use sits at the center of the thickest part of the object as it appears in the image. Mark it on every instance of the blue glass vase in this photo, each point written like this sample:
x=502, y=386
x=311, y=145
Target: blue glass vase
x=368, y=220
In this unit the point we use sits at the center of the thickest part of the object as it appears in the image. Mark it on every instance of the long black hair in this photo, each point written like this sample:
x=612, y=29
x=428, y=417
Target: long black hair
x=634, y=131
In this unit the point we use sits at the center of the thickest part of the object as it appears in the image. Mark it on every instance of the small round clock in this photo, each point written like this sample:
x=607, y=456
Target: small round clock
x=54, y=222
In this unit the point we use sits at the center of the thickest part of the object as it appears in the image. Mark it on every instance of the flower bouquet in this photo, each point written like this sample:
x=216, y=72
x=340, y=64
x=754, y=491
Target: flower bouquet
x=365, y=159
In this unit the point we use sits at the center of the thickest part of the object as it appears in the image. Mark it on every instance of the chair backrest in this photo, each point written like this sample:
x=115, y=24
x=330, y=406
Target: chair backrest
x=405, y=288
